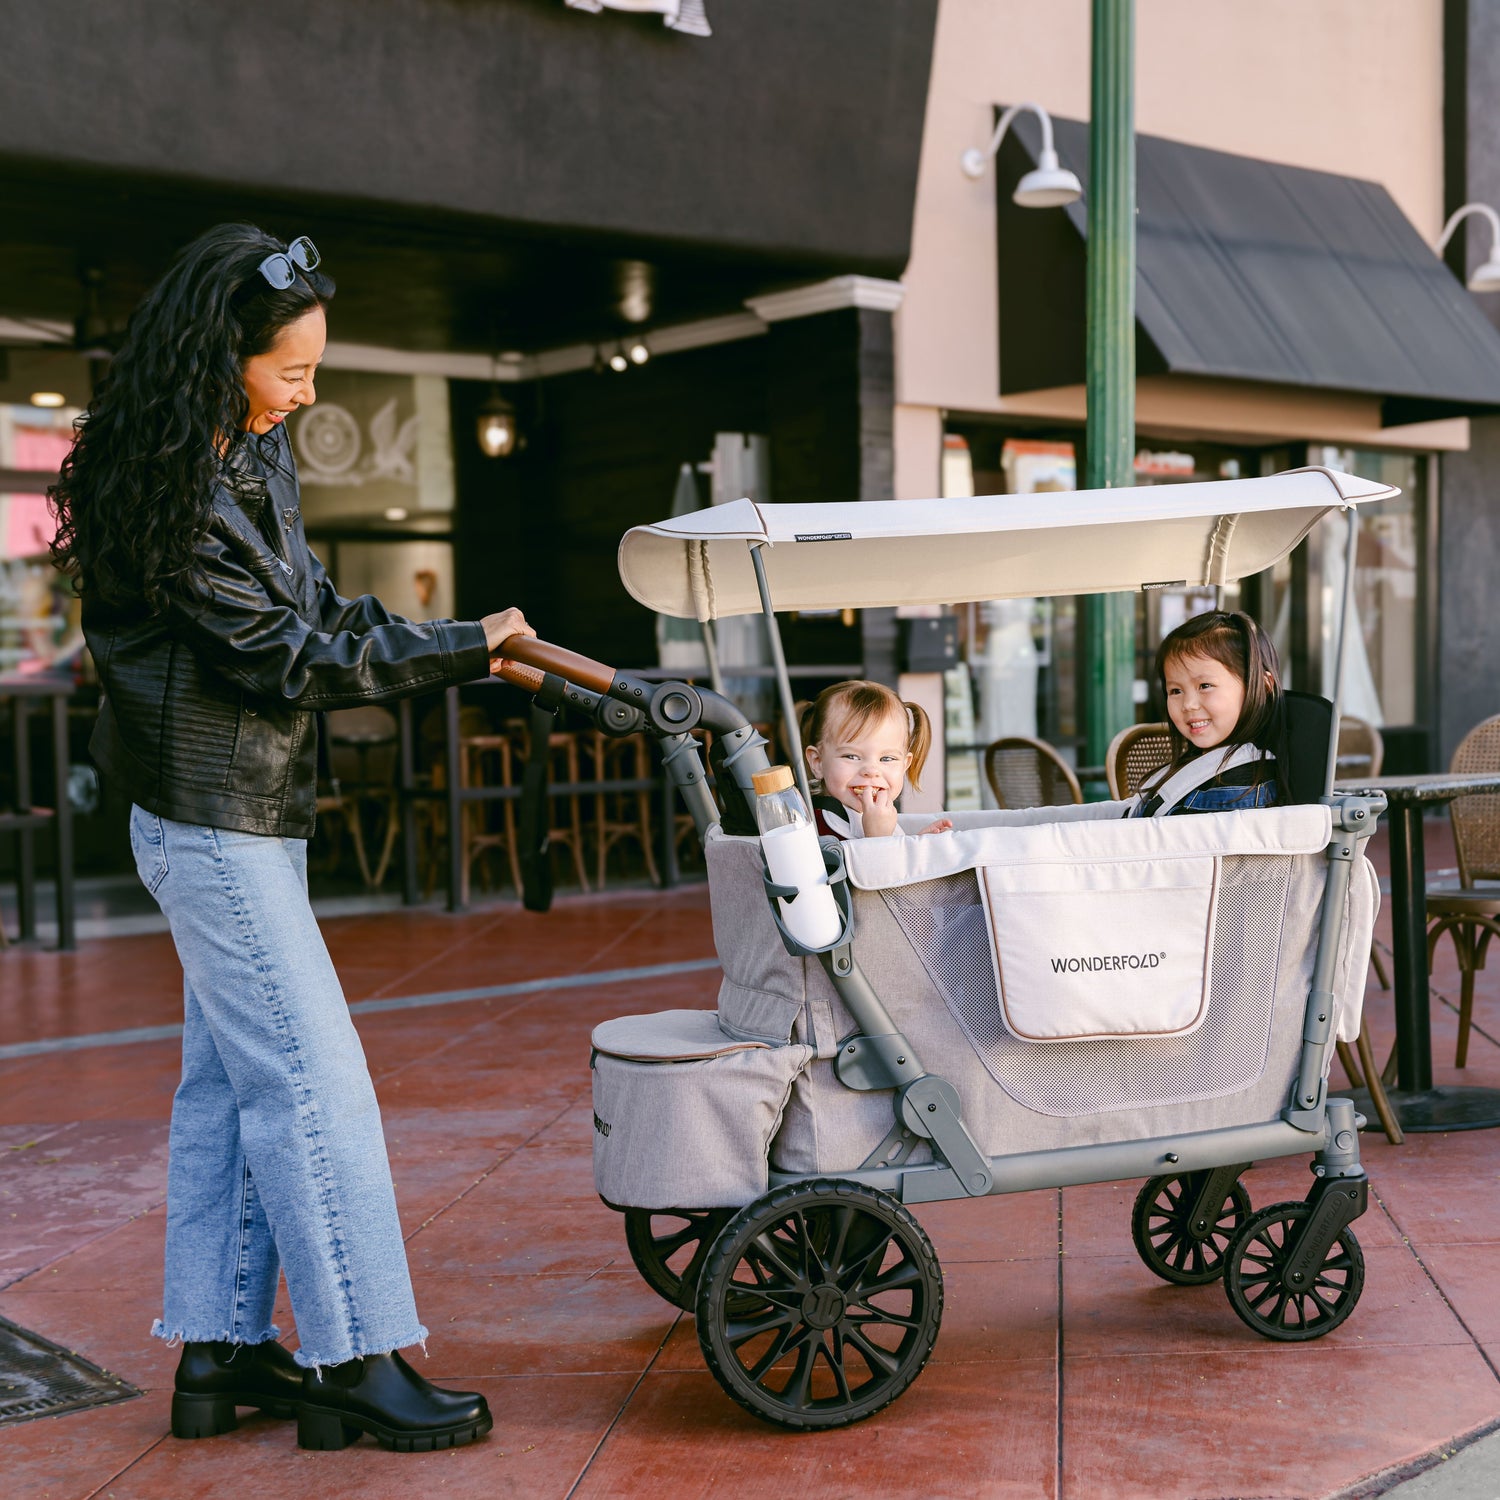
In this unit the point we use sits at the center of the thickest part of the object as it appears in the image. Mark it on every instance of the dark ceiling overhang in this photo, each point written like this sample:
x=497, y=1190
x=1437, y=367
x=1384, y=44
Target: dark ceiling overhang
x=1246, y=270
x=508, y=172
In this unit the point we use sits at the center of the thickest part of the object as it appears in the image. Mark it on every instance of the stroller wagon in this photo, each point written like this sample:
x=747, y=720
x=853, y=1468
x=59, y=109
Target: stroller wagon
x=1035, y=999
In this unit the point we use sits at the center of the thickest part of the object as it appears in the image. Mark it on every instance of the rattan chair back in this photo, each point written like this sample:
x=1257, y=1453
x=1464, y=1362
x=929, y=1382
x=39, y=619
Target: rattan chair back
x=1133, y=754
x=1361, y=748
x=1476, y=819
x=1024, y=772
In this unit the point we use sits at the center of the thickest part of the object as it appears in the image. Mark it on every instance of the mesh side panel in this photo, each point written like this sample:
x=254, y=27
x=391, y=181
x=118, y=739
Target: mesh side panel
x=944, y=922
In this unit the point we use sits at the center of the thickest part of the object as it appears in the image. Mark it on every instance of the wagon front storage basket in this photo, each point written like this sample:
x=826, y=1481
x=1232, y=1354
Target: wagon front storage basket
x=683, y=1113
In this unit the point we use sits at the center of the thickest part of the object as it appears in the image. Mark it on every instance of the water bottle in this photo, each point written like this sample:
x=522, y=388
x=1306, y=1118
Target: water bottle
x=789, y=841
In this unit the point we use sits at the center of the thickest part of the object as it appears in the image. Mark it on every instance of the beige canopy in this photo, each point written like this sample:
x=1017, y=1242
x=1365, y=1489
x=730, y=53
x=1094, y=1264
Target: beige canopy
x=890, y=552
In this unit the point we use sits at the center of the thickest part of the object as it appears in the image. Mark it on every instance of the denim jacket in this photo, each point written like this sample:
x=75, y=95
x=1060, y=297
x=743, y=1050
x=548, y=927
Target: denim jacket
x=1235, y=790
x=1213, y=798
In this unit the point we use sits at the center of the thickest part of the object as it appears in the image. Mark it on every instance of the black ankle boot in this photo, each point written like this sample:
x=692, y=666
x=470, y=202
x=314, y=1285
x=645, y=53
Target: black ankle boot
x=213, y=1379
x=381, y=1394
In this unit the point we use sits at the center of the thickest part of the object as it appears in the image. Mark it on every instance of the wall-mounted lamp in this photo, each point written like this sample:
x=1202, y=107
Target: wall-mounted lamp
x=48, y=399
x=497, y=427
x=496, y=423
x=1484, y=277
x=1048, y=184
x=617, y=361
x=639, y=353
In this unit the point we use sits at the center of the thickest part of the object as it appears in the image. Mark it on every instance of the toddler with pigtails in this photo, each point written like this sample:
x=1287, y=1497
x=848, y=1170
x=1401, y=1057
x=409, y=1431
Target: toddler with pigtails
x=862, y=745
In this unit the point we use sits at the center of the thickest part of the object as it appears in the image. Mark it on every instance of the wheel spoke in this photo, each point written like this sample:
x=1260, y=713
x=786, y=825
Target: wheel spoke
x=881, y=1361
x=838, y=1238
x=668, y=1244
x=796, y=1392
x=885, y=1315
x=1327, y=1307
x=1269, y=1291
x=850, y=1275
x=779, y=1345
x=835, y=1361
x=902, y=1276
x=739, y=1331
x=770, y=1254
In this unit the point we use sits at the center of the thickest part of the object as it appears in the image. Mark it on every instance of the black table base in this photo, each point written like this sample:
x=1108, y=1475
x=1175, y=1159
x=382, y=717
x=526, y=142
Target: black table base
x=1451, y=1107
x=1418, y=1104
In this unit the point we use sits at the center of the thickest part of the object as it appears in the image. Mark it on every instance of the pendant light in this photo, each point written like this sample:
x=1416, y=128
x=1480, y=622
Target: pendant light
x=497, y=421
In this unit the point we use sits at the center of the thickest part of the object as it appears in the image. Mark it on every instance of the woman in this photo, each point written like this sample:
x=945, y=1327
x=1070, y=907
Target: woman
x=218, y=637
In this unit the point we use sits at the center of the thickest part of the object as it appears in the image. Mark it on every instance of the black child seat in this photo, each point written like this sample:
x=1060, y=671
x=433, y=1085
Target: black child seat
x=1307, y=724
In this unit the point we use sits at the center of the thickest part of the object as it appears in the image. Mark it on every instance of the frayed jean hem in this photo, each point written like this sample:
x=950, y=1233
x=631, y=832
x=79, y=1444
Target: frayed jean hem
x=177, y=1336
x=313, y=1362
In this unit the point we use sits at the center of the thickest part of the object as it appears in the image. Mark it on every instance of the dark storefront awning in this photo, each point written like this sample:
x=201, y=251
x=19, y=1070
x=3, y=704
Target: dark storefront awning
x=1247, y=270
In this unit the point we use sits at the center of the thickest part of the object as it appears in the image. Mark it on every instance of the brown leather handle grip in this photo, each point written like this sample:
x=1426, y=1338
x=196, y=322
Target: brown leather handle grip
x=530, y=652
x=528, y=679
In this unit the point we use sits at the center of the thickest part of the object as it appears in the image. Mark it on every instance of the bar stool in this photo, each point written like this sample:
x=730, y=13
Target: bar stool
x=473, y=724
x=621, y=760
x=564, y=825
x=486, y=761
x=362, y=754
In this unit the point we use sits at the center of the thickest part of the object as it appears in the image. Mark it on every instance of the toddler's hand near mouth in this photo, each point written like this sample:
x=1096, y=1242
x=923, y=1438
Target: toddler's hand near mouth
x=877, y=813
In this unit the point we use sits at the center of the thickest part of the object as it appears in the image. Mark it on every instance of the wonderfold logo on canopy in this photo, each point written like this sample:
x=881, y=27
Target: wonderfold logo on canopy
x=1099, y=963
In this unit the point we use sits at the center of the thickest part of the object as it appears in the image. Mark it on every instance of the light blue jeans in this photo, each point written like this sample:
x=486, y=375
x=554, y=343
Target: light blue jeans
x=277, y=1156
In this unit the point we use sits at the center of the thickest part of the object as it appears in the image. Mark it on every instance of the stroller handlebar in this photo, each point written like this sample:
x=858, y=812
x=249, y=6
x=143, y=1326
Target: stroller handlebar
x=528, y=679
x=523, y=651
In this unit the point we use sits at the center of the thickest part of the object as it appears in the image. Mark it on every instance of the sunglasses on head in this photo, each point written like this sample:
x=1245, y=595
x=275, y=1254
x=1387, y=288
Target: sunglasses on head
x=281, y=268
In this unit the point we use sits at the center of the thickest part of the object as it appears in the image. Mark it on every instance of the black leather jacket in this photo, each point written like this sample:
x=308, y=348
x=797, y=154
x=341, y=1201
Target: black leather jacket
x=209, y=707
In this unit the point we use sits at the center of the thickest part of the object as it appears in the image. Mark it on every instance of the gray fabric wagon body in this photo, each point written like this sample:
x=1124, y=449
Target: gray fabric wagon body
x=694, y=1109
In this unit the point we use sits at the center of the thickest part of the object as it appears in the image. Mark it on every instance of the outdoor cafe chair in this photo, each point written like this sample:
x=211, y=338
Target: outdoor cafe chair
x=619, y=816
x=1026, y=772
x=1470, y=912
x=1134, y=753
x=362, y=746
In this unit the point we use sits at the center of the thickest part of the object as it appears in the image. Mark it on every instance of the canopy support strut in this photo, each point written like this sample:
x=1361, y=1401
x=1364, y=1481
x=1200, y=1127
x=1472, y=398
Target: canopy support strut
x=1345, y=609
x=711, y=651
x=783, y=682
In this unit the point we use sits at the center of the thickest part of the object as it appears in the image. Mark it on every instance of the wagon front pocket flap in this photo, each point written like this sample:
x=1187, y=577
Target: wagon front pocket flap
x=1112, y=949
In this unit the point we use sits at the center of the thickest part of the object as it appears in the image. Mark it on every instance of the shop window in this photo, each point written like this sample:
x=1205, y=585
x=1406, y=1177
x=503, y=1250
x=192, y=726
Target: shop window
x=38, y=614
x=1018, y=673
x=1383, y=645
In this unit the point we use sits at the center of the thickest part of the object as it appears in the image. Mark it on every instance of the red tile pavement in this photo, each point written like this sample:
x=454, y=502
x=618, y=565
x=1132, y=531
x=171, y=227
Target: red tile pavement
x=1064, y=1369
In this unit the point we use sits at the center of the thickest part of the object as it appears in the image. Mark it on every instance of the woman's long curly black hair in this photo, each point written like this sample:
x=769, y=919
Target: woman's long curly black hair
x=135, y=493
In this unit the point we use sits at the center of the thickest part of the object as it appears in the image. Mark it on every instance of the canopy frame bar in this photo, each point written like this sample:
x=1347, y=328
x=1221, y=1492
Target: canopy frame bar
x=1346, y=608
x=783, y=681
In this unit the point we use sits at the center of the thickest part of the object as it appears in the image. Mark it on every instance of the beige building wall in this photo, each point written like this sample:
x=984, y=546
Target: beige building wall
x=1348, y=86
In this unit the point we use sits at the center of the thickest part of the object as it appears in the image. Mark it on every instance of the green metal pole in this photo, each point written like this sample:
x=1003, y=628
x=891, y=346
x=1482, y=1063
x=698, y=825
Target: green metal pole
x=1110, y=446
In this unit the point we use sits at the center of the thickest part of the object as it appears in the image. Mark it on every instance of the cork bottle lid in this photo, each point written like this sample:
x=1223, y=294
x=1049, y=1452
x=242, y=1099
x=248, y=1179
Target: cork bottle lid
x=773, y=779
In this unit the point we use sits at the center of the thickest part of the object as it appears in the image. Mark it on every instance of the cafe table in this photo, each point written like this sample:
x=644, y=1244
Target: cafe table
x=1418, y=1104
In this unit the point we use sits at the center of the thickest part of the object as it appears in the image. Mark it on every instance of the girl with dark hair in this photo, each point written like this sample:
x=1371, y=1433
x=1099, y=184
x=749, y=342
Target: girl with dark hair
x=218, y=638
x=1221, y=680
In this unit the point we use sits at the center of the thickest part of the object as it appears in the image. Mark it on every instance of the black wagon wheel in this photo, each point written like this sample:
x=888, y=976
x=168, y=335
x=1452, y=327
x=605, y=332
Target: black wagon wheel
x=1171, y=1242
x=820, y=1304
x=1253, y=1278
x=669, y=1247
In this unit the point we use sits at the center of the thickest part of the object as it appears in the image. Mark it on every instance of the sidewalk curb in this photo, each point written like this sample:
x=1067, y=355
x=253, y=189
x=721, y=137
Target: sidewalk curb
x=1467, y=1468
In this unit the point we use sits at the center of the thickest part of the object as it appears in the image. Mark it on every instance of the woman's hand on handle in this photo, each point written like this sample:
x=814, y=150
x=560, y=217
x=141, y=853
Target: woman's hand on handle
x=500, y=628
